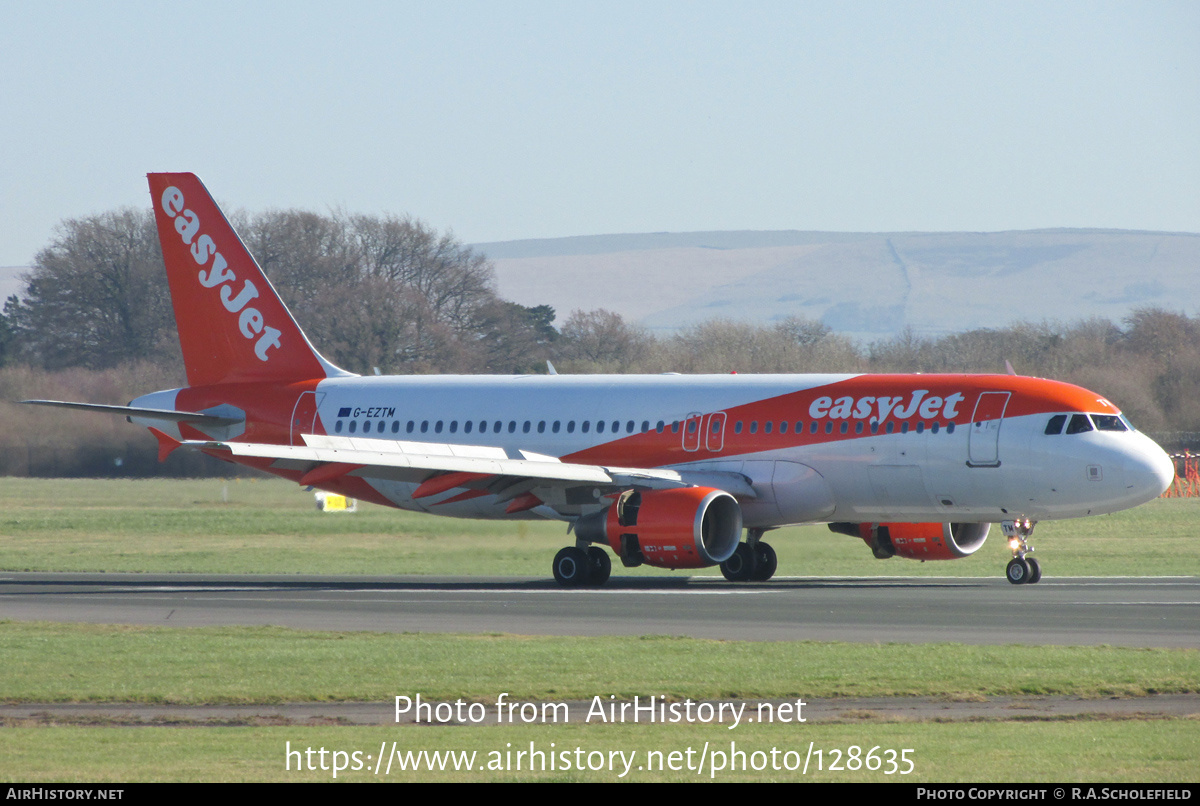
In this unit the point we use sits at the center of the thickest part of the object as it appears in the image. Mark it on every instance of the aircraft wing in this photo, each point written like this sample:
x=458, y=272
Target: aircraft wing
x=438, y=467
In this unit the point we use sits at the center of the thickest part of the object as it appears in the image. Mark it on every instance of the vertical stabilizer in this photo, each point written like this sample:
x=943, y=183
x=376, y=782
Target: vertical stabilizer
x=232, y=325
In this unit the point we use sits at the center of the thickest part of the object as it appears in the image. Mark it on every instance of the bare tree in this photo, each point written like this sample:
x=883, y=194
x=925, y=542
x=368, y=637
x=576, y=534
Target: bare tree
x=97, y=295
x=601, y=341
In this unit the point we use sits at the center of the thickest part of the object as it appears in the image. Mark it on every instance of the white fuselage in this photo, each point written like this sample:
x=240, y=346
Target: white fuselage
x=814, y=448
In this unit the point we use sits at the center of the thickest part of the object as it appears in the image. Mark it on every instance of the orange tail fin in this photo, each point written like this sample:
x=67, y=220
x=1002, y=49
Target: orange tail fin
x=233, y=327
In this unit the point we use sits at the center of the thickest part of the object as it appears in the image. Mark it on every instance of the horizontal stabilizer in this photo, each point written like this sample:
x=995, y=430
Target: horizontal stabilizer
x=167, y=415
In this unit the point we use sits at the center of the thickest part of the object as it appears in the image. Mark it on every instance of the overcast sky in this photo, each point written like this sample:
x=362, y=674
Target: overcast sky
x=511, y=120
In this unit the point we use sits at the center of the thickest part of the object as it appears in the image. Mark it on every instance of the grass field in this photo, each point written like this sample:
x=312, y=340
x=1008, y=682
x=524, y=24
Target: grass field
x=247, y=526
x=1161, y=751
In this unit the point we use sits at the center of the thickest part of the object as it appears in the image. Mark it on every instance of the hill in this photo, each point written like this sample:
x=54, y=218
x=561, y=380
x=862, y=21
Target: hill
x=865, y=285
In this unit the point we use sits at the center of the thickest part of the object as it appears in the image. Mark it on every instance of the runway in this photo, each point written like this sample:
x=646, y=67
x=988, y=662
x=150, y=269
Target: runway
x=1125, y=611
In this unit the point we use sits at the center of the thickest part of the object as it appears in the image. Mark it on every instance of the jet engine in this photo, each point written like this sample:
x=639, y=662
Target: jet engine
x=690, y=527
x=918, y=541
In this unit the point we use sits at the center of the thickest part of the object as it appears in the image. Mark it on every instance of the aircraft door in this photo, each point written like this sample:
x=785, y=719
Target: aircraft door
x=693, y=432
x=983, y=441
x=714, y=434
x=304, y=416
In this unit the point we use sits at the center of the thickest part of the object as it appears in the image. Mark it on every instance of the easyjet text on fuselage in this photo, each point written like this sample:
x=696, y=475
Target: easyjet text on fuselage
x=878, y=409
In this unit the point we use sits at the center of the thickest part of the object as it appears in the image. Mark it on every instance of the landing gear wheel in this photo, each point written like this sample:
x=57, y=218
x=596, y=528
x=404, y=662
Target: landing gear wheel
x=571, y=567
x=1035, y=570
x=1022, y=569
x=1018, y=571
x=765, y=562
x=740, y=567
x=600, y=566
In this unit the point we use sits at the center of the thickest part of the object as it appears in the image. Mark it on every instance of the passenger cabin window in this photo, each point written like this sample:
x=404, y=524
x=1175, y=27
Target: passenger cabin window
x=1079, y=424
x=1055, y=426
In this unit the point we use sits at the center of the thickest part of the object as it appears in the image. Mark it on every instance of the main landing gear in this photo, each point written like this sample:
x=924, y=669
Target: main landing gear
x=752, y=561
x=578, y=566
x=1022, y=569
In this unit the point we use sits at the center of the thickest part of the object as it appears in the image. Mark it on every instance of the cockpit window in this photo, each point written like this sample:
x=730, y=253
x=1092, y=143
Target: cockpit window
x=1056, y=423
x=1108, y=422
x=1079, y=423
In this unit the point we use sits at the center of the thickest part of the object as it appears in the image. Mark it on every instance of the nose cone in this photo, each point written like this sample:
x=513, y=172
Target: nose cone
x=1148, y=471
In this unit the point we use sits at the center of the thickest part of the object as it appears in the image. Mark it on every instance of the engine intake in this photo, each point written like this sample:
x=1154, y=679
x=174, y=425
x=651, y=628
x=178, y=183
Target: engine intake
x=690, y=527
x=918, y=541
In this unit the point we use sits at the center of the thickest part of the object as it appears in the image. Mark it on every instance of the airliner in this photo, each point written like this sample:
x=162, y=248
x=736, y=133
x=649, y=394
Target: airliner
x=672, y=471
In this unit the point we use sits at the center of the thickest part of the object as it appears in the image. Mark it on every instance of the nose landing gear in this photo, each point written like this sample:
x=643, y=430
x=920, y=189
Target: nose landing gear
x=1022, y=569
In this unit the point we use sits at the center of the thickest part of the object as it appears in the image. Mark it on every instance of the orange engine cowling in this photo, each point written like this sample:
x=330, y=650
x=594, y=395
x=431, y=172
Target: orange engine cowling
x=918, y=541
x=690, y=527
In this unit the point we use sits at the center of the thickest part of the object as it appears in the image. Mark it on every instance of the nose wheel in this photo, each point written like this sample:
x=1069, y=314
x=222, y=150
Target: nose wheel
x=1022, y=569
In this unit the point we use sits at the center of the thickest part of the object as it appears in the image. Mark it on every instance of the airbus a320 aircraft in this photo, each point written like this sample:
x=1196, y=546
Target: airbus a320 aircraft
x=666, y=470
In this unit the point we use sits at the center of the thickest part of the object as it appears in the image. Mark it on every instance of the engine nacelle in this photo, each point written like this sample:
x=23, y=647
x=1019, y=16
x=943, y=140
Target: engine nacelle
x=690, y=527
x=918, y=541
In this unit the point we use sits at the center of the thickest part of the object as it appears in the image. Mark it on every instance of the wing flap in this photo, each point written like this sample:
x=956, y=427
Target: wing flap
x=382, y=458
x=474, y=466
